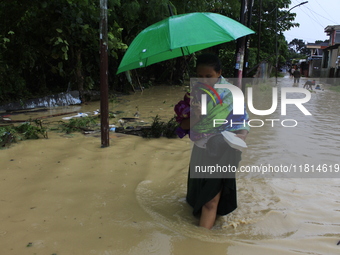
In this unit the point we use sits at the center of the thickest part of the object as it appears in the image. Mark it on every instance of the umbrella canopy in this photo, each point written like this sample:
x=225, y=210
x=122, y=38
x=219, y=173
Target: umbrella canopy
x=180, y=35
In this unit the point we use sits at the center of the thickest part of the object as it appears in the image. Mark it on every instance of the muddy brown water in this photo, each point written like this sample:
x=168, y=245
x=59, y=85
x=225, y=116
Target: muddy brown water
x=66, y=195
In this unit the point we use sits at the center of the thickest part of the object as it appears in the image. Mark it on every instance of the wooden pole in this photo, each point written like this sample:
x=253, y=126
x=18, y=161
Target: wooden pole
x=240, y=47
x=246, y=52
x=104, y=87
x=259, y=33
x=276, y=48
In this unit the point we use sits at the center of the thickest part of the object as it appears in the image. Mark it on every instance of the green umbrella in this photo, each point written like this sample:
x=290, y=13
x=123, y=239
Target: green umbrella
x=180, y=35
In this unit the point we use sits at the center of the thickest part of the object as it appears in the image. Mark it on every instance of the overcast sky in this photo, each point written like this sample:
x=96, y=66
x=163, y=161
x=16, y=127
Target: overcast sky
x=313, y=17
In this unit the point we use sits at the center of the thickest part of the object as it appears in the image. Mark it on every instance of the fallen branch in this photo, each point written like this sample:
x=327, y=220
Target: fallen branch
x=15, y=112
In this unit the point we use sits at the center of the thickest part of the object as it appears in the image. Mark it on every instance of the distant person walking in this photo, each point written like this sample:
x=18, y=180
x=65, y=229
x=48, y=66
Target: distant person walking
x=297, y=75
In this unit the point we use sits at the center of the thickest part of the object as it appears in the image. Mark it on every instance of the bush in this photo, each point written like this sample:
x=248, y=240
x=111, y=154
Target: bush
x=77, y=124
x=29, y=130
x=160, y=128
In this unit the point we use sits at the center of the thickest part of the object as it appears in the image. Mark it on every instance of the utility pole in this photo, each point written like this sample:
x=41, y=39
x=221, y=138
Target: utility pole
x=246, y=53
x=104, y=86
x=276, y=42
x=259, y=31
x=240, y=47
x=276, y=52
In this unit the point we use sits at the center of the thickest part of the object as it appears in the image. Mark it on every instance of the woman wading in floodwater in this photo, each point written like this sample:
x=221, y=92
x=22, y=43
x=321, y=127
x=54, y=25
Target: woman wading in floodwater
x=210, y=195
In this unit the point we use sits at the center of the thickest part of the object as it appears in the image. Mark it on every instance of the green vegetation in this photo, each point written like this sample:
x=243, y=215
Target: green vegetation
x=335, y=88
x=35, y=129
x=261, y=86
x=77, y=124
x=37, y=60
x=265, y=87
x=160, y=128
x=279, y=75
x=28, y=130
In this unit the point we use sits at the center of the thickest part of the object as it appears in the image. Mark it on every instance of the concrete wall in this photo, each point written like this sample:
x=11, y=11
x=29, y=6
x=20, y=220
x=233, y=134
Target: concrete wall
x=68, y=98
x=324, y=72
x=333, y=58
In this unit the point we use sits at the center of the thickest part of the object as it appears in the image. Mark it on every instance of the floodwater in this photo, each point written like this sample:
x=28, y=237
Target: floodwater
x=66, y=195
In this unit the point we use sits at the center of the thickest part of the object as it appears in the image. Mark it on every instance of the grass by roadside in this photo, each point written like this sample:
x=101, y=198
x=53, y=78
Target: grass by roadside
x=335, y=88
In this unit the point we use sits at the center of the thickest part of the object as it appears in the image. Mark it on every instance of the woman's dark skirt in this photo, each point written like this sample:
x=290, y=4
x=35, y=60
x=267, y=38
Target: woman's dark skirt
x=202, y=190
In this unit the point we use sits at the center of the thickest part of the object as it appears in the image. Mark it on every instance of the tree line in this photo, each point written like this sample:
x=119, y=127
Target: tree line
x=53, y=46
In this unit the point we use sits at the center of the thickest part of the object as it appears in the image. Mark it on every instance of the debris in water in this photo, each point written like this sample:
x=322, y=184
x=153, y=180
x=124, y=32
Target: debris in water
x=76, y=116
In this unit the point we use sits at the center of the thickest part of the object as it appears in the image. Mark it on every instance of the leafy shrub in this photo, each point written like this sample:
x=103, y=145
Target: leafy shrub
x=160, y=128
x=77, y=124
x=28, y=130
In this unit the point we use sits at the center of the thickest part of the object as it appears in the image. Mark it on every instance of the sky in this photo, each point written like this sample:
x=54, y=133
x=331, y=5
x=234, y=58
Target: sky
x=313, y=17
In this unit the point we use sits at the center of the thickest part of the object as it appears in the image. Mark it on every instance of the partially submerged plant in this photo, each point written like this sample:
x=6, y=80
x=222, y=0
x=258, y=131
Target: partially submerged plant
x=33, y=129
x=169, y=128
x=7, y=136
x=78, y=124
x=160, y=128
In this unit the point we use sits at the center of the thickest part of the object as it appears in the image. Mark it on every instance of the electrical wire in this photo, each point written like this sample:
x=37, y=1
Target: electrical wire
x=326, y=12
x=313, y=16
x=323, y=16
x=317, y=22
